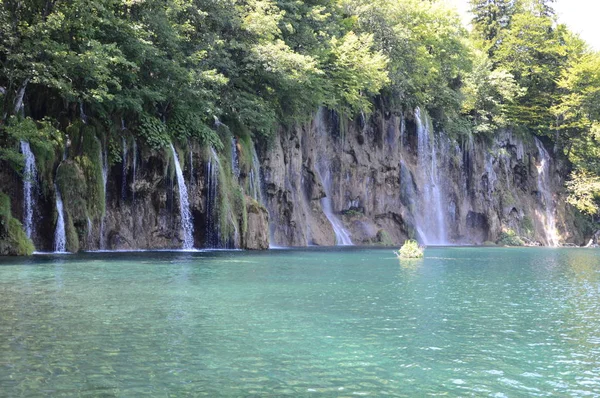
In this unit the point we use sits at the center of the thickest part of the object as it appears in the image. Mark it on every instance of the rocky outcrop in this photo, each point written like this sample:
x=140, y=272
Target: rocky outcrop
x=257, y=233
x=382, y=180
x=375, y=180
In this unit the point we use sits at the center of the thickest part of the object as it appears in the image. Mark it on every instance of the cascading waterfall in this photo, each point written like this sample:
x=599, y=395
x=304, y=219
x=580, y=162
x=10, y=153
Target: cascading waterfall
x=60, y=236
x=191, y=163
x=184, y=205
x=432, y=226
x=213, y=233
x=124, y=181
x=255, y=179
x=235, y=161
x=491, y=173
x=104, y=162
x=342, y=237
x=29, y=181
x=134, y=170
x=82, y=114
x=543, y=183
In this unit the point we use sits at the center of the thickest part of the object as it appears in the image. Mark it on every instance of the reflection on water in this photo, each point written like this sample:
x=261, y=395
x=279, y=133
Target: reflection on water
x=461, y=321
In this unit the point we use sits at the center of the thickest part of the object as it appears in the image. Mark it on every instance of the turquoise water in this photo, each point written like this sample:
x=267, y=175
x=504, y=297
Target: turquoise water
x=461, y=322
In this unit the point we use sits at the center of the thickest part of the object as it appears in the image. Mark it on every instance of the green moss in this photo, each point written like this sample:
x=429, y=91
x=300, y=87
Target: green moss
x=507, y=198
x=71, y=182
x=526, y=226
x=383, y=238
x=72, y=235
x=13, y=240
x=352, y=213
x=74, y=137
x=509, y=237
x=245, y=153
x=90, y=163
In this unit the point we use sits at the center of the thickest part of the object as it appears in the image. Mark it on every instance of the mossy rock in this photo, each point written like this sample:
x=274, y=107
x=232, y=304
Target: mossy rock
x=13, y=240
x=383, y=238
x=71, y=182
x=510, y=238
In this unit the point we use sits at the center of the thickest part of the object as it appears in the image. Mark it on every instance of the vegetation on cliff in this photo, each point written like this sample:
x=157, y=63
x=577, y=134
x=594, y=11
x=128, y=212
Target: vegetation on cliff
x=13, y=240
x=182, y=69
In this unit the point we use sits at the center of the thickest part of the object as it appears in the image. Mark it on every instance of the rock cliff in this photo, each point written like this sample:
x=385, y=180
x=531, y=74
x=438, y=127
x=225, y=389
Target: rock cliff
x=379, y=179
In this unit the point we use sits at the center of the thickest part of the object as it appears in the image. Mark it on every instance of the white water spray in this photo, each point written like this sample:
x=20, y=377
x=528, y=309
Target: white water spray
x=213, y=232
x=29, y=181
x=104, y=162
x=60, y=236
x=323, y=169
x=432, y=226
x=543, y=183
x=184, y=205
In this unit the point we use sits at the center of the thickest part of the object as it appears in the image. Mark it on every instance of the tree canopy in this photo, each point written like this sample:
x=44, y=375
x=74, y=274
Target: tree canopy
x=168, y=69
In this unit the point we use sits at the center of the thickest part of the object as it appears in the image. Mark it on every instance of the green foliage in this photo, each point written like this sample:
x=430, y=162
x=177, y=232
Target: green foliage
x=42, y=137
x=356, y=73
x=13, y=240
x=488, y=93
x=153, y=131
x=509, y=237
x=410, y=249
x=584, y=192
x=352, y=213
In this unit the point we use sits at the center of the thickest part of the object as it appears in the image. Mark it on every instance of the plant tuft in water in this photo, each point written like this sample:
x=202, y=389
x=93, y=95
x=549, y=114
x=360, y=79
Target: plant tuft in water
x=410, y=249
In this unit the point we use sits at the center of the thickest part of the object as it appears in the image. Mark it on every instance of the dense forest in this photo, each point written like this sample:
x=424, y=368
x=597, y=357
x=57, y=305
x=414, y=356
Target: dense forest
x=178, y=71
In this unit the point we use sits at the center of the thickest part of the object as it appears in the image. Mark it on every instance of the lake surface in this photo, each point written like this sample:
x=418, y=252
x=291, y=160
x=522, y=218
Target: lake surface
x=462, y=321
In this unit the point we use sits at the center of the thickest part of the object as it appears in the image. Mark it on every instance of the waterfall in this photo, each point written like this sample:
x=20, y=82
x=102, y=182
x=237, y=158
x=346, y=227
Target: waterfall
x=104, y=162
x=544, y=189
x=402, y=133
x=60, y=237
x=235, y=161
x=29, y=181
x=124, y=181
x=491, y=174
x=134, y=167
x=191, y=163
x=255, y=179
x=323, y=169
x=184, y=205
x=82, y=114
x=430, y=215
x=213, y=233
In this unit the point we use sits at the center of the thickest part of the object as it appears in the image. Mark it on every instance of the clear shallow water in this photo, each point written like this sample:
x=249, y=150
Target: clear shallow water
x=336, y=322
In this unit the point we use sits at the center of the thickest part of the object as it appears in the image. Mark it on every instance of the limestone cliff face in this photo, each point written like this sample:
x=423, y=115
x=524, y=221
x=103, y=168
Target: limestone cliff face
x=374, y=180
x=397, y=175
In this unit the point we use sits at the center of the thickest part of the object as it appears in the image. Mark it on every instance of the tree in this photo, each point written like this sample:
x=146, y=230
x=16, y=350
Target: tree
x=490, y=18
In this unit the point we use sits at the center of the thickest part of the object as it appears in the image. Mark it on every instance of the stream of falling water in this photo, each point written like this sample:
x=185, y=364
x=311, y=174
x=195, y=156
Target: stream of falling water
x=213, y=232
x=124, y=182
x=104, y=162
x=60, y=237
x=29, y=180
x=543, y=183
x=184, y=205
x=323, y=169
x=432, y=227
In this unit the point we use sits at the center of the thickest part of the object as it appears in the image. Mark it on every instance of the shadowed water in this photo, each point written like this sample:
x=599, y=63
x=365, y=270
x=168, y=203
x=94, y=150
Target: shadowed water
x=463, y=321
